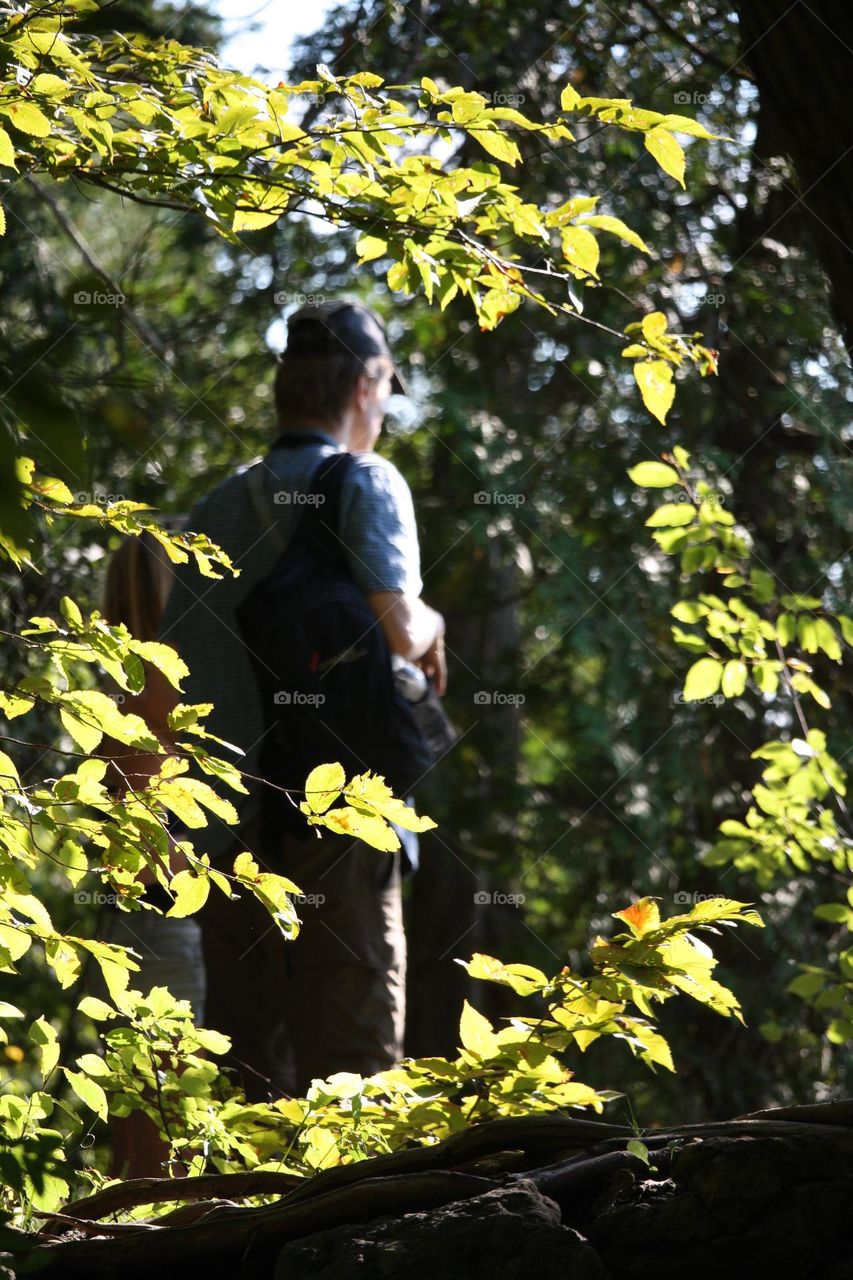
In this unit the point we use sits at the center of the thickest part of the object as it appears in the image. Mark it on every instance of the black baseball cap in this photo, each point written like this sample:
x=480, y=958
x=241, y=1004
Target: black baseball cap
x=326, y=328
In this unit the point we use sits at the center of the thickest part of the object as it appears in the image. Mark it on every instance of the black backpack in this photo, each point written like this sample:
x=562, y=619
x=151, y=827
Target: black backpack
x=321, y=660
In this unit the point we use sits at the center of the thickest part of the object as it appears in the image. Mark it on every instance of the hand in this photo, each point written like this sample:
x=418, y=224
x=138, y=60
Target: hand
x=433, y=662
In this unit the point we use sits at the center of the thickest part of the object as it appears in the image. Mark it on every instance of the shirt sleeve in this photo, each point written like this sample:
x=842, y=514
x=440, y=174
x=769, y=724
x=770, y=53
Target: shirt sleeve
x=378, y=528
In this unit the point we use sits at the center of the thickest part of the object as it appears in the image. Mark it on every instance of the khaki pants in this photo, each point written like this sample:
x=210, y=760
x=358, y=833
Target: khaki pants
x=333, y=999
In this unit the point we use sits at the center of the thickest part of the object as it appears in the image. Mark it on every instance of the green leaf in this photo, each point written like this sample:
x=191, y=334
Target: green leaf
x=733, y=682
x=766, y=676
x=88, y=1091
x=44, y=1035
x=212, y=1041
x=93, y=1064
x=653, y=475
x=703, y=679
x=827, y=640
x=786, y=628
x=688, y=610
x=73, y=861
x=671, y=515
x=655, y=380
x=668, y=153
x=835, y=912
x=803, y=684
x=96, y=1009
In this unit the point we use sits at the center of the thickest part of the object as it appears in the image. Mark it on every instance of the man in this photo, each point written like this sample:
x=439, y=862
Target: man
x=334, y=999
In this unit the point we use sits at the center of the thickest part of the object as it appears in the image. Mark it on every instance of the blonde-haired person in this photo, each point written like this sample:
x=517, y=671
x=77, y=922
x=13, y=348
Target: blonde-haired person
x=137, y=585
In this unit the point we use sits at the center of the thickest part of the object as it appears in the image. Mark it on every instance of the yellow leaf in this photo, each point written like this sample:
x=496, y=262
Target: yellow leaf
x=398, y=277
x=684, y=124
x=476, y=1033
x=668, y=153
x=99, y=713
x=522, y=978
x=498, y=145
x=26, y=904
x=703, y=679
x=640, y=917
x=580, y=248
x=653, y=475
x=29, y=118
x=190, y=894
x=323, y=786
x=371, y=789
x=254, y=219
x=618, y=228
x=320, y=1148
x=85, y=735
x=654, y=378
x=93, y=1064
x=115, y=964
x=653, y=326
x=370, y=247
x=50, y=85
x=164, y=658
x=7, y=150
x=359, y=826
x=245, y=865
x=16, y=941
x=569, y=98
x=9, y=778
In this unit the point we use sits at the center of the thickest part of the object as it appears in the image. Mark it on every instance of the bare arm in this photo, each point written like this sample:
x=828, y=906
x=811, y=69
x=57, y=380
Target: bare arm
x=413, y=630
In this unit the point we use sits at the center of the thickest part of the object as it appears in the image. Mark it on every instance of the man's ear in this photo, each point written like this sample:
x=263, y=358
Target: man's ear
x=361, y=394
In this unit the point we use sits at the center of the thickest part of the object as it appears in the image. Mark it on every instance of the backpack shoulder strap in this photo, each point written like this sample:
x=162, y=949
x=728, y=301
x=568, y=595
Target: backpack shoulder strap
x=260, y=503
x=319, y=523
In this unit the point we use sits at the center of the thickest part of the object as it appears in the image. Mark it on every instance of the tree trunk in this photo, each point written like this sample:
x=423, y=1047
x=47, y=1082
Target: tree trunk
x=802, y=59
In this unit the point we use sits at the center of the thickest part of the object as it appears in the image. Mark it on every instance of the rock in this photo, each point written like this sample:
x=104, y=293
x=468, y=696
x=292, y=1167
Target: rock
x=735, y=1206
x=501, y=1235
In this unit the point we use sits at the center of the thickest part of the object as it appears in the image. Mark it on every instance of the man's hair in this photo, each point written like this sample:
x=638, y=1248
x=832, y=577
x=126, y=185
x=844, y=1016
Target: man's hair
x=319, y=388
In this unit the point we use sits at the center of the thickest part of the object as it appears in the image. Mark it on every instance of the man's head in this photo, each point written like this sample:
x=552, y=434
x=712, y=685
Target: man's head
x=336, y=372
